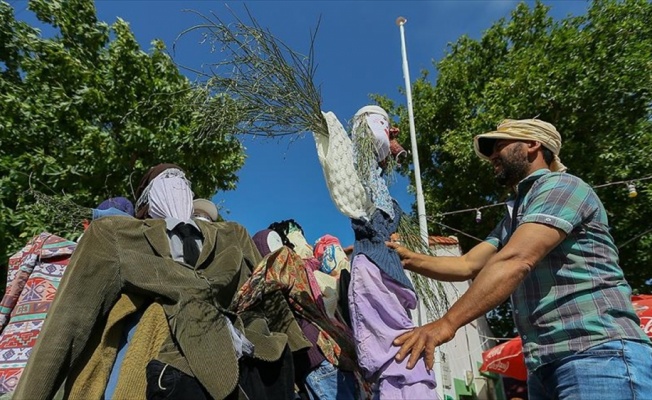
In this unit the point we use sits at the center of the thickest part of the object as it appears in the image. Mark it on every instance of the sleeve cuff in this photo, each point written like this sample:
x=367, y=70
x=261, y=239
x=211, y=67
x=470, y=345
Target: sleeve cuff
x=493, y=241
x=549, y=220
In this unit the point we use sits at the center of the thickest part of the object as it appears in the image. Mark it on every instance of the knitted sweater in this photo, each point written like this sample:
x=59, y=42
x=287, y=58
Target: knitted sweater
x=370, y=238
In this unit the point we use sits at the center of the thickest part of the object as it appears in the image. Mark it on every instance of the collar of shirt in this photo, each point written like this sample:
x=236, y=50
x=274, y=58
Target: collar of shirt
x=176, y=245
x=171, y=223
x=525, y=184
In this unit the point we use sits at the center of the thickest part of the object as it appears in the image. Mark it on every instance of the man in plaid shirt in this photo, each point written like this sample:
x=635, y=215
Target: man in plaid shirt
x=553, y=254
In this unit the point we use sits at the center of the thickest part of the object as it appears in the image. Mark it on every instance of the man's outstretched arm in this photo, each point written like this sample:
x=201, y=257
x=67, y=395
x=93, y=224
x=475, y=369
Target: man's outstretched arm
x=442, y=268
x=493, y=285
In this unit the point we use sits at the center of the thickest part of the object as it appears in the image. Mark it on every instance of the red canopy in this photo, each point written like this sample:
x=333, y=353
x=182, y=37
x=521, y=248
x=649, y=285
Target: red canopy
x=643, y=307
x=507, y=358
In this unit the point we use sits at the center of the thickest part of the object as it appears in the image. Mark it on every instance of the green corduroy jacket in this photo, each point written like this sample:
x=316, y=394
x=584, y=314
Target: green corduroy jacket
x=123, y=254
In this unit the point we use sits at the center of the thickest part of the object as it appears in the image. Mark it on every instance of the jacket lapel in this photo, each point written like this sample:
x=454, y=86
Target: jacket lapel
x=210, y=240
x=156, y=235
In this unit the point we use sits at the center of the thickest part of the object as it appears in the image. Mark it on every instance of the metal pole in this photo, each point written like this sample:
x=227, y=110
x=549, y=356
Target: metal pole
x=421, y=206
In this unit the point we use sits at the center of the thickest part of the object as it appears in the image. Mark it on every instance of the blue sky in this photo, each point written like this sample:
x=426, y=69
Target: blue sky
x=358, y=53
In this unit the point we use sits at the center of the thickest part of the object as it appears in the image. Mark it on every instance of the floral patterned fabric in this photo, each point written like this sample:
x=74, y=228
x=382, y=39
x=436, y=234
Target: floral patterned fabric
x=284, y=271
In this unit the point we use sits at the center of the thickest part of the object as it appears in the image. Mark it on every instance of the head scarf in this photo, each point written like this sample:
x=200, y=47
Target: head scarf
x=371, y=123
x=119, y=203
x=267, y=241
x=322, y=243
x=283, y=228
x=332, y=257
x=524, y=129
x=170, y=196
x=301, y=246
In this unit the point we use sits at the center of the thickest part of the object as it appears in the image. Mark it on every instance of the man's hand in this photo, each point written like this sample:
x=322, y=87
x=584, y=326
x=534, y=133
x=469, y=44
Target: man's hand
x=423, y=339
x=402, y=251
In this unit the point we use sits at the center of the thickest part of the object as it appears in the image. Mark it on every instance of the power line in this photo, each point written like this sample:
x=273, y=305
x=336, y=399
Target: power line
x=471, y=209
x=629, y=182
x=453, y=229
x=634, y=238
x=480, y=240
x=630, y=187
x=623, y=182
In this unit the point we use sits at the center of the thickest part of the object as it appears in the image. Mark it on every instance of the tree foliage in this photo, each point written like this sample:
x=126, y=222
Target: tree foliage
x=84, y=112
x=590, y=76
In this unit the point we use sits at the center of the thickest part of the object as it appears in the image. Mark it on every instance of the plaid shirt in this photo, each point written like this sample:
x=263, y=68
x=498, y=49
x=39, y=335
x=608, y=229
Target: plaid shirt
x=577, y=296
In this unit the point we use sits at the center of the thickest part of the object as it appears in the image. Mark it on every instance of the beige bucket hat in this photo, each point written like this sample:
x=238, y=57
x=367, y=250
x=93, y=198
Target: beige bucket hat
x=524, y=129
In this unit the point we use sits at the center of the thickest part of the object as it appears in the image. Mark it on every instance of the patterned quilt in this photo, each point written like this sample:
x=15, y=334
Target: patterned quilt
x=32, y=281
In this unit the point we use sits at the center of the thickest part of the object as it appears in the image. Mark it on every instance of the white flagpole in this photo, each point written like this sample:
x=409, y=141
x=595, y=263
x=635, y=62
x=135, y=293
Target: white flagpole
x=421, y=207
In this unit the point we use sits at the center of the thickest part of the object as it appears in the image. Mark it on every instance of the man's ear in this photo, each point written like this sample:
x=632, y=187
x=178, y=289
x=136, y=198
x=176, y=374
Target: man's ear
x=533, y=146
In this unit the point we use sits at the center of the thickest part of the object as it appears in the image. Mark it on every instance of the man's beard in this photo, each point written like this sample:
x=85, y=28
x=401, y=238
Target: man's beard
x=514, y=168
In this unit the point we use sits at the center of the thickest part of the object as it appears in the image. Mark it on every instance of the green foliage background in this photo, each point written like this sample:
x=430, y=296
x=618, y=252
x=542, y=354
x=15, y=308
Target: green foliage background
x=590, y=76
x=85, y=112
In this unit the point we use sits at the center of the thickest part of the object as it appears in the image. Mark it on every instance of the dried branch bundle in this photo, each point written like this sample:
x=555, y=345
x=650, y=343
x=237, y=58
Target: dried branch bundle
x=272, y=84
x=59, y=211
x=431, y=292
x=364, y=145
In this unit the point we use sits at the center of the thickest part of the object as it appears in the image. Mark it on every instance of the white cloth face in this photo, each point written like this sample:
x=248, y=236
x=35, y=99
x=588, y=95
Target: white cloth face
x=170, y=196
x=274, y=241
x=380, y=128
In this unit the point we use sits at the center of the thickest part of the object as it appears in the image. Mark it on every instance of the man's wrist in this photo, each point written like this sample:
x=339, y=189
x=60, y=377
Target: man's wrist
x=409, y=261
x=451, y=324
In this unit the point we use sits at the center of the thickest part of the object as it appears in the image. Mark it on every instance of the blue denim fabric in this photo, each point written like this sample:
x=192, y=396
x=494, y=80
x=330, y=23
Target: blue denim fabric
x=109, y=212
x=618, y=369
x=329, y=383
x=128, y=331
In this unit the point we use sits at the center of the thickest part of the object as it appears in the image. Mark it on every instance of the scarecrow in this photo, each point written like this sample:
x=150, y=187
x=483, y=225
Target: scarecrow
x=380, y=293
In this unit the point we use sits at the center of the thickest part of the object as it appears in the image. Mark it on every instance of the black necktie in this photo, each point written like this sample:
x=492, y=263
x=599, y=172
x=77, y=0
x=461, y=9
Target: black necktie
x=188, y=236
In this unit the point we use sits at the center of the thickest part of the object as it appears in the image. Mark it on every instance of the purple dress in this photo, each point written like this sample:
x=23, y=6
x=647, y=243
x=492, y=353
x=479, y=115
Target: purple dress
x=380, y=297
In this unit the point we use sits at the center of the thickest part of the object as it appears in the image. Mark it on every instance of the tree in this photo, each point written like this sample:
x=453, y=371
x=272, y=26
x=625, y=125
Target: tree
x=85, y=112
x=590, y=76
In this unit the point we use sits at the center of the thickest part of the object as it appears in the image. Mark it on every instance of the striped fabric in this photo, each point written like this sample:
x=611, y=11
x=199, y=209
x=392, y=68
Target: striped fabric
x=33, y=278
x=577, y=295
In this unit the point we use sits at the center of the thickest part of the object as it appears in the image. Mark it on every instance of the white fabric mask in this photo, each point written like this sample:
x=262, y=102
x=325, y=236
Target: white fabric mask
x=274, y=241
x=170, y=196
x=380, y=128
